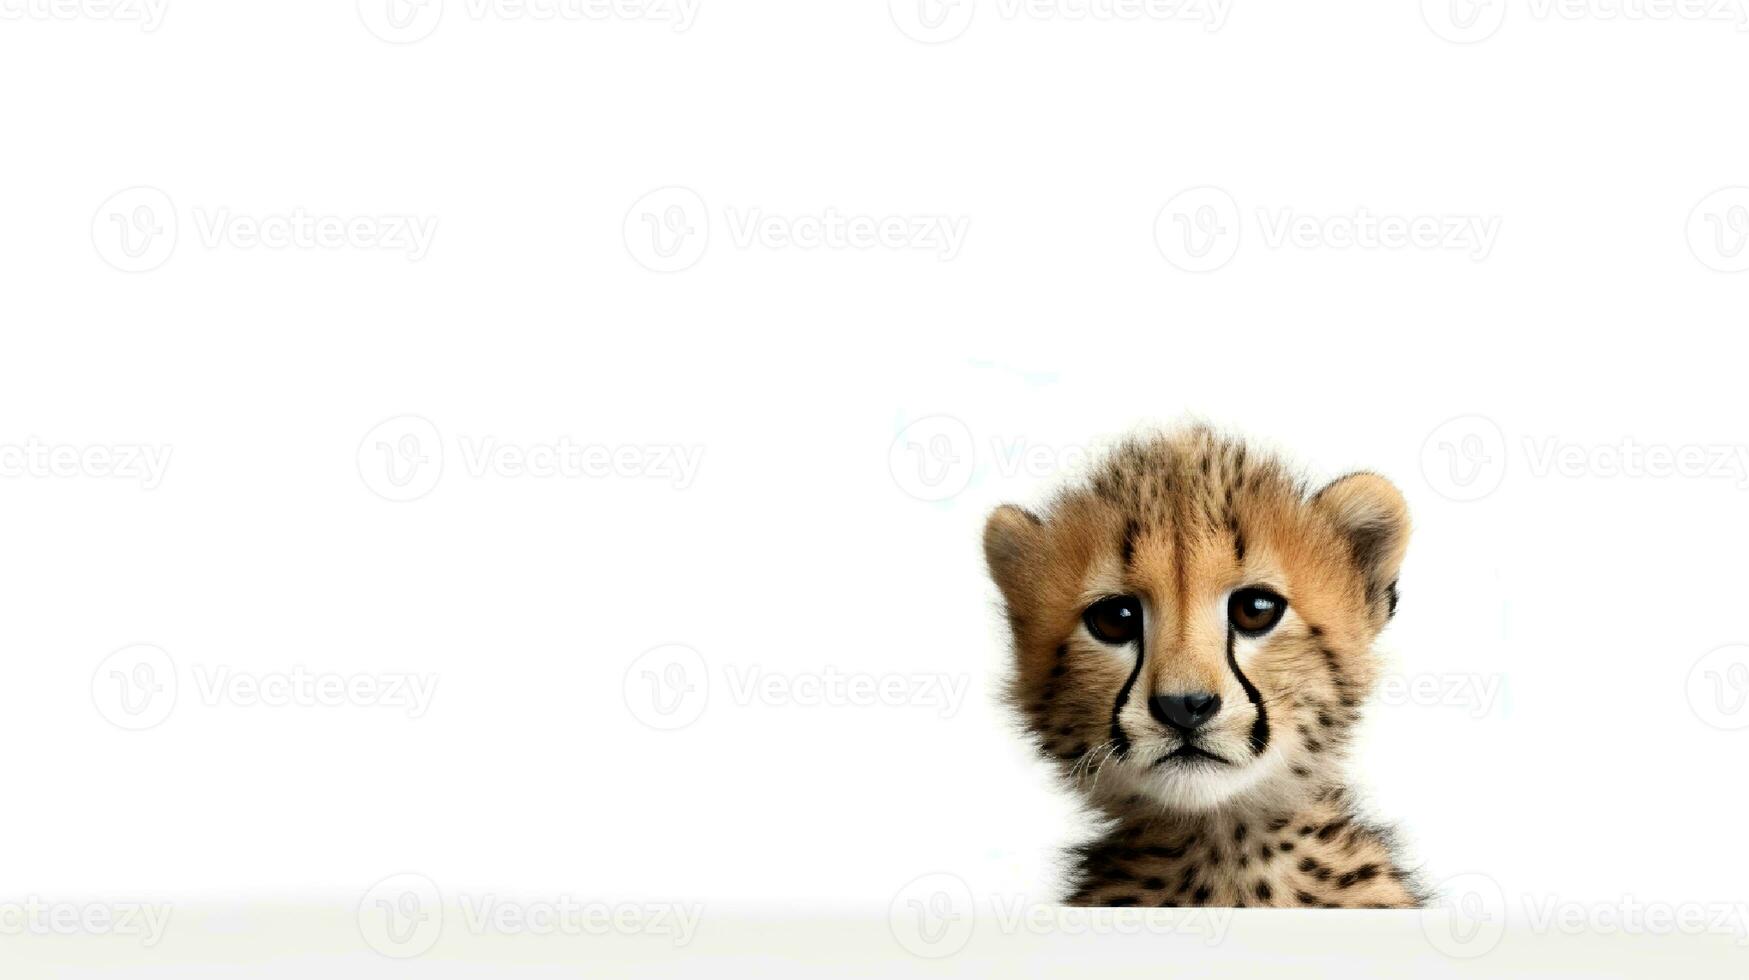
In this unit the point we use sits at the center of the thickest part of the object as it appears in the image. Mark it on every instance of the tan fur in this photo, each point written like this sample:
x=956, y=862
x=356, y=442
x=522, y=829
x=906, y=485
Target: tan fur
x=1203, y=516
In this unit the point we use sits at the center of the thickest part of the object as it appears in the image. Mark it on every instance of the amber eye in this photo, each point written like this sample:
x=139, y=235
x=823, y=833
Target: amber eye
x=1254, y=612
x=1114, y=620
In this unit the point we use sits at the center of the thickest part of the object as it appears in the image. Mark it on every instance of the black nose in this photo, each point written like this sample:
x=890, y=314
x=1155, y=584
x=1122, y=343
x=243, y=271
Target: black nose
x=1185, y=712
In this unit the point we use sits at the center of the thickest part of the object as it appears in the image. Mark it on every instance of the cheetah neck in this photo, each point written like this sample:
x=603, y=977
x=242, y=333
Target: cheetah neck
x=1317, y=855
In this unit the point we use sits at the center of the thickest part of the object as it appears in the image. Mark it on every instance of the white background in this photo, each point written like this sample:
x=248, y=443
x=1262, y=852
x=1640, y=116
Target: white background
x=823, y=533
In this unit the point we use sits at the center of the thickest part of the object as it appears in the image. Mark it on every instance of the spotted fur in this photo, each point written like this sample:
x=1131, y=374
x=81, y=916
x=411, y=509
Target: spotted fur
x=1251, y=808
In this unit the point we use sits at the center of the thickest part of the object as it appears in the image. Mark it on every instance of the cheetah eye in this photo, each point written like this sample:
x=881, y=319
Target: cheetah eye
x=1116, y=620
x=1255, y=612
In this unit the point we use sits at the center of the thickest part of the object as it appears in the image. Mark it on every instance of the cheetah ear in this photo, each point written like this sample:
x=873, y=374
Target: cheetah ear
x=1373, y=516
x=1010, y=538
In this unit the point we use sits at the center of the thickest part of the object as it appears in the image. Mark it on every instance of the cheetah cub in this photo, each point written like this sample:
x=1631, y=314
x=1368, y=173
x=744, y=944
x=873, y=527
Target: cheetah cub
x=1192, y=633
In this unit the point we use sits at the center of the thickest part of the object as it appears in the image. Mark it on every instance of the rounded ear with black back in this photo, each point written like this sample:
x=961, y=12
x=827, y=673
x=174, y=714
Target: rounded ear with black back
x=1372, y=516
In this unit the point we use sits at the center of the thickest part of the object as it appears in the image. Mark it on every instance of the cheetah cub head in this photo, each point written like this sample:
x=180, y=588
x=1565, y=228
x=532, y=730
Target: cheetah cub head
x=1193, y=626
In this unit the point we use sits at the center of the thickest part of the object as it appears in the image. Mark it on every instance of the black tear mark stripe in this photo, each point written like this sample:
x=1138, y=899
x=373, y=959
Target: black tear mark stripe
x=1260, y=727
x=1119, y=740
